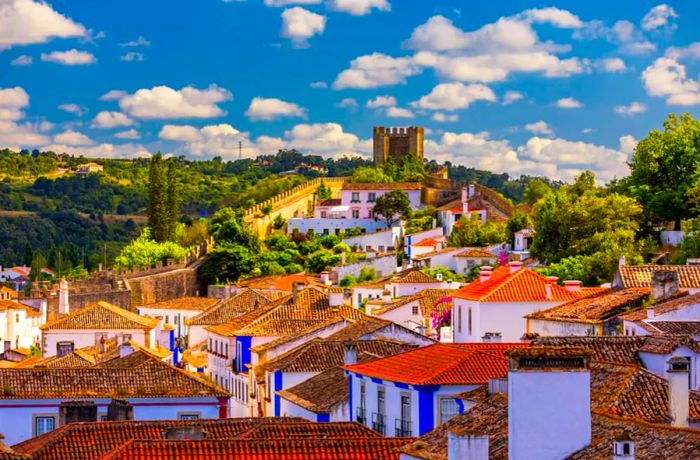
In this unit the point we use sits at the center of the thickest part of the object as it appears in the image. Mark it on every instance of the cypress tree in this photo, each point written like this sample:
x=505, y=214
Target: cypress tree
x=157, y=191
x=172, y=210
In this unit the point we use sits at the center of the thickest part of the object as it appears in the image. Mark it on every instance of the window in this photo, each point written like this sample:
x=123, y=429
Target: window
x=226, y=350
x=16, y=317
x=167, y=319
x=323, y=214
x=381, y=402
x=355, y=197
x=448, y=409
x=43, y=423
x=189, y=415
x=403, y=425
x=414, y=310
x=211, y=344
x=355, y=213
x=371, y=197
x=469, y=320
x=103, y=417
x=459, y=319
x=63, y=348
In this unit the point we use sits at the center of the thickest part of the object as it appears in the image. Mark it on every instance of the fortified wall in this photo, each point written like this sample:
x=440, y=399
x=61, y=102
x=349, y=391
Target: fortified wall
x=397, y=143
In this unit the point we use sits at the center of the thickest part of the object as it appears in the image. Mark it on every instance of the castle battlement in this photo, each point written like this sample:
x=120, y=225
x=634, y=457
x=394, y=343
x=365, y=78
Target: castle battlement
x=397, y=142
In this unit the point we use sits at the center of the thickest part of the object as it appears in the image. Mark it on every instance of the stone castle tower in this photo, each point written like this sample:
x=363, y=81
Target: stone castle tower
x=397, y=143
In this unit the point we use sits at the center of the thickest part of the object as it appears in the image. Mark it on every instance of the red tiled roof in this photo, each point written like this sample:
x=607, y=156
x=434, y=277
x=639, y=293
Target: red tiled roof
x=595, y=308
x=429, y=242
x=522, y=286
x=185, y=303
x=330, y=202
x=640, y=275
x=441, y=364
x=228, y=309
x=413, y=276
x=672, y=327
x=102, y=315
x=665, y=307
x=381, y=186
x=476, y=253
x=278, y=282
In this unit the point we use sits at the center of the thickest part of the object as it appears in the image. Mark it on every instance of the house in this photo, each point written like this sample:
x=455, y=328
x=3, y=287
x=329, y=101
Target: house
x=8, y=294
x=386, y=240
x=354, y=210
x=593, y=315
x=39, y=400
x=414, y=243
x=558, y=402
x=284, y=438
x=89, y=325
x=522, y=240
x=410, y=393
x=468, y=205
x=416, y=312
x=469, y=258
x=178, y=311
x=402, y=284
x=641, y=275
x=678, y=316
x=19, y=325
x=497, y=302
x=89, y=168
x=19, y=274
x=440, y=257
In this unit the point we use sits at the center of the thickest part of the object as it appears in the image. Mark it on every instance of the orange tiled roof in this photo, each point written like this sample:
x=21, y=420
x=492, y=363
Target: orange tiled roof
x=640, y=275
x=235, y=306
x=413, y=276
x=330, y=202
x=152, y=378
x=320, y=393
x=477, y=253
x=14, y=305
x=295, y=428
x=440, y=364
x=381, y=186
x=278, y=282
x=102, y=315
x=427, y=242
x=428, y=300
x=664, y=307
x=595, y=308
x=622, y=349
x=524, y=285
x=185, y=303
x=672, y=327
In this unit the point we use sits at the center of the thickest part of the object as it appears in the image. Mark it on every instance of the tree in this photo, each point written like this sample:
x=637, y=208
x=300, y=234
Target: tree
x=172, y=201
x=470, y=231
x=393, y=204
x=157, y=199
x=227, y=263
x=279, y=222
x=536, y=190
x=516, y=222
x=664, y=168
x=369, y=174
x=146, y=251
x=227, y=227
x=323, y=192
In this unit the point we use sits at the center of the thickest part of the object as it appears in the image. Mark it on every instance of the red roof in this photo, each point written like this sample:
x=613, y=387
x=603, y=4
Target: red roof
x=442, y=364
x=429, y=242
x=524, y=285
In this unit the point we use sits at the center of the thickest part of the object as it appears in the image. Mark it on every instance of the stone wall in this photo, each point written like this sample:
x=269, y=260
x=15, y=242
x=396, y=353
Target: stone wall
x=169, y=285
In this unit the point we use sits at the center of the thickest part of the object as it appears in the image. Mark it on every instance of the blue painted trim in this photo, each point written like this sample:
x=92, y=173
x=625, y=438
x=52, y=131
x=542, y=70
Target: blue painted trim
x=246, y=342
x=426, y=409
x=176, y=356
x=376, y=380
x=323, y=417
x=171, y=340
x=460, y=405
x=278, y=386
x=200, y=369
x=401, y=385
x=351, y=411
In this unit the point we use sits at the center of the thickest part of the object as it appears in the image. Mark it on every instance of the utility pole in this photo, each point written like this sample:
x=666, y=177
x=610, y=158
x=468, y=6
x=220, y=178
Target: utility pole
x=240, y=150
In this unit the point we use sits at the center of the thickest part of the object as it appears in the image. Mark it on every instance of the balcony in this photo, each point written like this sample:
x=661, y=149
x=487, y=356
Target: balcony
x=403, y=428
x=361, y=415
x=379, y=422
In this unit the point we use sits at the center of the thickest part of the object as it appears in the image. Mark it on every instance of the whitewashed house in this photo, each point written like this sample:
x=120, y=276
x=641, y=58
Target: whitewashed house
x=469, y=258
x=380, y=241
x=414, y=312
x=452, y=212
x=678, y=316
x=19, y=325
x=177, y=311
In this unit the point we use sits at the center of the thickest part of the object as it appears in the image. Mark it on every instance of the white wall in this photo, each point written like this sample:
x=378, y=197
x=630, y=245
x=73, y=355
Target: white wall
x=86, y=337
x=318, y=225
x=360, y=293
x=560, y=328
x=171, y=316
x=383, y=238
x=404, y=316
x=549, y=416
x=658, y=363
x=445, y=259
x=26, y=329
x=404, y=289
x=384, y=265
x=465, y=264
x=20, y=411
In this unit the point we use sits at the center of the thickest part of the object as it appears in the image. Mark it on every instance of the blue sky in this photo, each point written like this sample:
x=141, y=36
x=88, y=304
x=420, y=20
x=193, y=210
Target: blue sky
x=519, y=87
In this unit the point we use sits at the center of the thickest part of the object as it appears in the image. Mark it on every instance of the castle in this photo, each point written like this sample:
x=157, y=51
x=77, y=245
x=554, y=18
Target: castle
x=397, y=143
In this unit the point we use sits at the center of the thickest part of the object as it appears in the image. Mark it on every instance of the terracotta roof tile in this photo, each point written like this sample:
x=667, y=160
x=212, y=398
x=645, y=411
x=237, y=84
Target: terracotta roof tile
x=619, y=349
x=236, y=305
x=595, y=308
x=413, y=276
x=295, y=429
x=441, y=364
x=381, y=186
x=429, y=300
x=640, y=275
x=476, y=253
x=278, y=282
x=674, y=327
x=102, y=315
x=330, y=202
x=524, y=285
x=320, y=393
x=665, y=307
x=430, y=254
x=152, y=378
x=185, y=303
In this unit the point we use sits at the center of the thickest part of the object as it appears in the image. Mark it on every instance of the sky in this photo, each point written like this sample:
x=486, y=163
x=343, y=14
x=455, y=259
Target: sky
x=519, y=87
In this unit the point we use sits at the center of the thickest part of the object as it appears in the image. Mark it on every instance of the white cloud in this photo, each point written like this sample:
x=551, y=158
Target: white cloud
x=374, y=70
x=73, y=108
x=691, y=51
x=272, y=108
x=128, y=134
x=630, y=110
x=512, y=96
x=299, y=24
x=328, y=139
x=347, y=103
x=441, y=117
x=569, y=103
x=359, y=7
x=539, y=127
x=211, y=140
x=102, y=150
x=132, y=56
x=17, y=136
x=107, y=119
x=165, y=102
x=70, y=57
x=453, y=96
x=180, y=133
x=555, y=16
x=623, y=33
x=140, y=41
x=24, y=22
x=667, y=78
x=659, y=16
x=381, y=101
x=70, y=137
x=277, y=3
x=113, y=95
x=23, y=59
x=611, y=65
x=319, y=85
x=397, y=112
x=627, y=144
x=12, y=101
x=587, y=130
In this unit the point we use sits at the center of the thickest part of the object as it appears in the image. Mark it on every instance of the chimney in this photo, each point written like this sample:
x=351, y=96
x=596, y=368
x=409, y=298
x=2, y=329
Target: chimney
x=623, y=447
x=44, y=308
x=335, y=297
x=63, y=304
x=119, y=409
x=7, y=346
x=491, y=337
x=296, y=287
x=184, y=432
x=664, y=283
x=650, y=313
x=125, y=349
x=77, y=411
x=515, y=266
x=472, y=190
x=485, y=273
x=622, y=261
x=467, y=446
x=103, y=343
x=548, y=291
x=549, y=402
x=325, y=278
x=572, y=285
x=678, y=389
x=438, y=276
x=552, y=279
x=350, y=356
x=465, y=198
